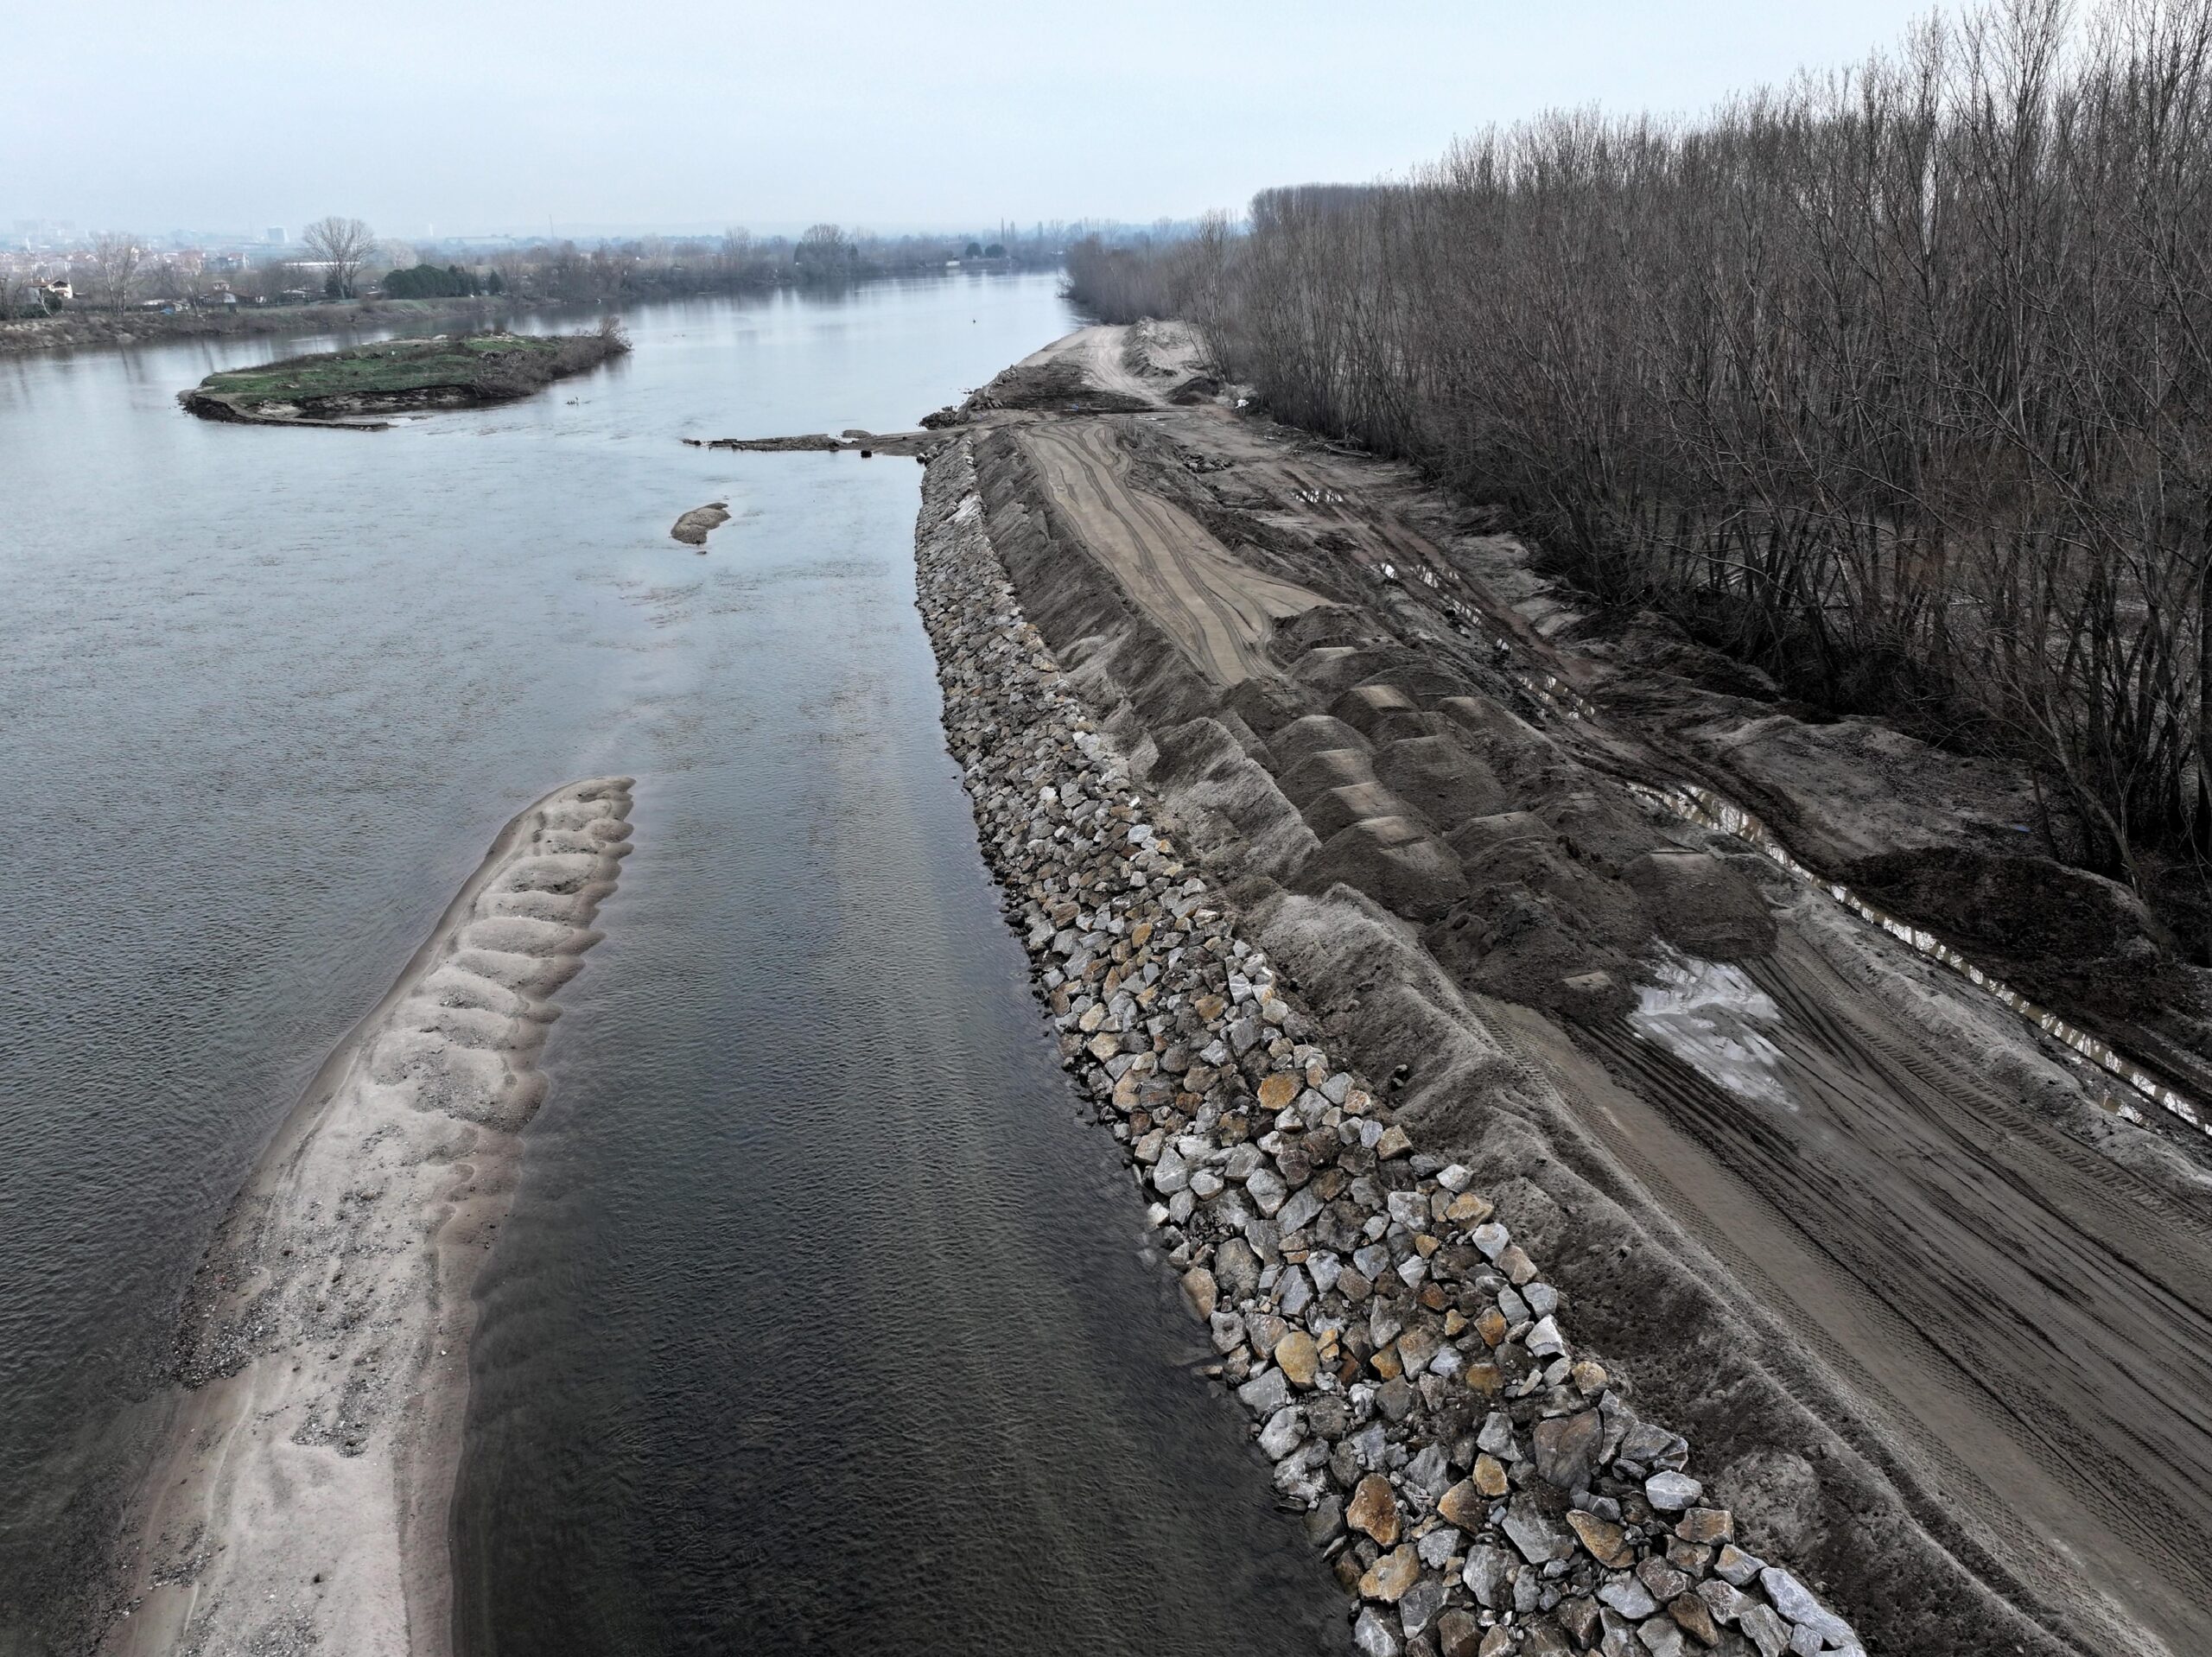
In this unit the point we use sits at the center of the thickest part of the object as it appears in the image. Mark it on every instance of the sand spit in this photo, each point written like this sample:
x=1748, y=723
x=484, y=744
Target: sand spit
x=302, y=1499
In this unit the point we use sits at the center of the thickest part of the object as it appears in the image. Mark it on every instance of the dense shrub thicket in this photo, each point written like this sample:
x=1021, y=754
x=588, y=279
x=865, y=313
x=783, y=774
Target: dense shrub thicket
x=435, y=281
x=1894, y=382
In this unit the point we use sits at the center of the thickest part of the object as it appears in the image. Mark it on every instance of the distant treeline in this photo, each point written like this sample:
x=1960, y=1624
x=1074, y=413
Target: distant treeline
x=646, y=267
x=116, y=270
x=1897, y=384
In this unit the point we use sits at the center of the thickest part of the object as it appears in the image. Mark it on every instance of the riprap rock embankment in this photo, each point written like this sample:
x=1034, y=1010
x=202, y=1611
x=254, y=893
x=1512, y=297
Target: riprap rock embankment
x=1479, y=1484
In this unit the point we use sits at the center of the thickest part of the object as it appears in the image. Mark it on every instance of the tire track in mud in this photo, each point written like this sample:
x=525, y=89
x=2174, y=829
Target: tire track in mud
x=2022, y=1295
x=1171, y=567
x=1929, y=1471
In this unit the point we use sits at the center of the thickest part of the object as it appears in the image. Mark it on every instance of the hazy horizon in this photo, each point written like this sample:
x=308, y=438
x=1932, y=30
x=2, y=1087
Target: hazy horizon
x=490, y=119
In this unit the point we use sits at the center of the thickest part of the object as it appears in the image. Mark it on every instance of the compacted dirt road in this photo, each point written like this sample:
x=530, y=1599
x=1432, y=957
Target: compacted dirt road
x=1944, y=1307
x=1219, y=610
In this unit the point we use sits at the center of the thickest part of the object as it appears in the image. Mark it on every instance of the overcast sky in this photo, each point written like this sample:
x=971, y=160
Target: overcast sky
x=478, y=115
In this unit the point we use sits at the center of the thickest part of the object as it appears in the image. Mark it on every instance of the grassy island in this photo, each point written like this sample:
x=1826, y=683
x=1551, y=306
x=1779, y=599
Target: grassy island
x=350, y=387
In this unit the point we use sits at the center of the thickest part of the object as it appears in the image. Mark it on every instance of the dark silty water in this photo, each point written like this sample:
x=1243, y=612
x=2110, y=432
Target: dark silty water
x=820, y=1323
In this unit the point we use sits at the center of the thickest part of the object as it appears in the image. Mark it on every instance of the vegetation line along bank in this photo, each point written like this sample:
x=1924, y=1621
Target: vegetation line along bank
x=1893, y=384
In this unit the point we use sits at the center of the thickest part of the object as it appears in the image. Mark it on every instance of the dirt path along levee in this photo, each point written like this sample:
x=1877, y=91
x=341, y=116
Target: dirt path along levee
x=1219, y=610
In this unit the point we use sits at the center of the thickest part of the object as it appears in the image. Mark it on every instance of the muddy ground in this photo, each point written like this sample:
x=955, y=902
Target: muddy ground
x=1937, y=1312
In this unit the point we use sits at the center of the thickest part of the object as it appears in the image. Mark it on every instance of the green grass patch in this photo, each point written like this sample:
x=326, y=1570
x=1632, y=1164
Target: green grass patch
x=478, y=362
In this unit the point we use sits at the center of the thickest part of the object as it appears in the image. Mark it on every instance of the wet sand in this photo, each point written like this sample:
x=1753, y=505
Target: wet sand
x=301, y=1498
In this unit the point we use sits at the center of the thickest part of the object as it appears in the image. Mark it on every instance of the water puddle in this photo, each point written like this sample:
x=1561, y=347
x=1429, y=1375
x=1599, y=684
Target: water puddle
x=1713, y=1018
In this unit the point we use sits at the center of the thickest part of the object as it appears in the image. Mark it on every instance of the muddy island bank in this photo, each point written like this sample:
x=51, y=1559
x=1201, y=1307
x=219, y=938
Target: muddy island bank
x=1286, y=788
x=301, y=1498
x=351, y=389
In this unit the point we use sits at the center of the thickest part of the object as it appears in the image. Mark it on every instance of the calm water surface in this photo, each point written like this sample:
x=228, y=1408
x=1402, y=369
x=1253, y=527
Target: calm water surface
x=820, y=1323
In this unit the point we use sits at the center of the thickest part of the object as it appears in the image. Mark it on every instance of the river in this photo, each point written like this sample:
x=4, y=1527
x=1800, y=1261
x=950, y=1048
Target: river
x=821, y=1322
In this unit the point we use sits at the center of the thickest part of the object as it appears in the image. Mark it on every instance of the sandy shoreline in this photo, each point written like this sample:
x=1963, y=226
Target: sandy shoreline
x=301, y=1498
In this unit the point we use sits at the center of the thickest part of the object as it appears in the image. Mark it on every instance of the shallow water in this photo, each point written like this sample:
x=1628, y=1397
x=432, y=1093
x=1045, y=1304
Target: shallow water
x=820, y=1323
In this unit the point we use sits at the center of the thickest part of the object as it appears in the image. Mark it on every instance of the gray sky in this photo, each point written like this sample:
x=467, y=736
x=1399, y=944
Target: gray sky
x=480, y=114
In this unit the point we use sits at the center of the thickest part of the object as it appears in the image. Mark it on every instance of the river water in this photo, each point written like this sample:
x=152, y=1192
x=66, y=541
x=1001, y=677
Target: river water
x=820, y=1323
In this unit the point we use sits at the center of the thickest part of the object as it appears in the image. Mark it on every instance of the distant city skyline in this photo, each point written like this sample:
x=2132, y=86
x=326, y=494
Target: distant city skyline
x=481, y=118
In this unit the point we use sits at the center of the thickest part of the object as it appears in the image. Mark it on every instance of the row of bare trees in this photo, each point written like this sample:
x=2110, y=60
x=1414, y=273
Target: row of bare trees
x=1895, y=382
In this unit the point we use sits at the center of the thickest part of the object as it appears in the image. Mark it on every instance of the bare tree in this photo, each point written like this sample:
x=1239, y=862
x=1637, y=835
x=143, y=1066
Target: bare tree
x=344, y=245
x=823, y=248
x=116, y=258
x=172, y=280
x=1898, y=384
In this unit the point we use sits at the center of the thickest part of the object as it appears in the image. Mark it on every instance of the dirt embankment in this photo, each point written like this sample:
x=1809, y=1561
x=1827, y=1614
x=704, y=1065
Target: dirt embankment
x=1938, y=1320
x=301, y=1501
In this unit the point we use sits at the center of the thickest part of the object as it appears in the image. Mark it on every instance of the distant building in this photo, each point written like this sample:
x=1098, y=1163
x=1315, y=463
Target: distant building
x=274, y=235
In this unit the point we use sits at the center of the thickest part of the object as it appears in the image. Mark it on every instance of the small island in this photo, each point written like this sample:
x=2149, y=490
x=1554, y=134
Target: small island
x=350, y=389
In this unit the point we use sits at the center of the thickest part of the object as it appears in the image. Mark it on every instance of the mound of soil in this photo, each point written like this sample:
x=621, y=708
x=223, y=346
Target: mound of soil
x=1058, y=385
x=2067, y=938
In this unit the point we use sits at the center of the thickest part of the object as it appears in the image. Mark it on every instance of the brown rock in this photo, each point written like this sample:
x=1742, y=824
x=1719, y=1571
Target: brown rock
x=1517, y=1266
x=1390, y=1576
x=1298, y=1358
x=1468, y=1209
x=1497, y=1643
x=1690, y=1614
x=1490, y=1324
x=1567, y=1448
x=1385, y=1363
x=1490, y=1475
x=1458, y=1633
x=1607, y=1542
x=1278, y=1091
x=1394, y=1143
x=1486, y=1379
x=1374, y=1510
x=1692, y=1559
x=1200, y=1294
x=1707, y=1525
x=1589, y=1378
x=1104, y=1045
x=1463, y=1506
